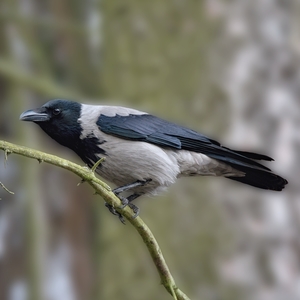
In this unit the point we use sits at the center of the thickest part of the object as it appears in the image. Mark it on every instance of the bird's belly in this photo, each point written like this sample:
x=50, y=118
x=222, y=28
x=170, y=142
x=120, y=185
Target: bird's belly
x=126, y=162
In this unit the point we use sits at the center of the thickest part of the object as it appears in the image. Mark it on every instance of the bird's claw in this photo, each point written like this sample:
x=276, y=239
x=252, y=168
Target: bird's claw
x=124, y=202
x=114, y=212
x=135, y=209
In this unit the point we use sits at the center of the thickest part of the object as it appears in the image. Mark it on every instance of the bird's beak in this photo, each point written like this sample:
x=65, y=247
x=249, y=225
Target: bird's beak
x=35, y=115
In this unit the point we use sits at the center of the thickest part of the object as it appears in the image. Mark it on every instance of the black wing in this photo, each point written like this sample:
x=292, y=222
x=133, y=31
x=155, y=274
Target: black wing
x=157, y=131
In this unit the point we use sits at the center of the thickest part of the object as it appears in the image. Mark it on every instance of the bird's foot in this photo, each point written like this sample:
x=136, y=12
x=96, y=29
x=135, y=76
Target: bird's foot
x=124, y=202
x=114, y=212
x=135, y=209
x=127, y=202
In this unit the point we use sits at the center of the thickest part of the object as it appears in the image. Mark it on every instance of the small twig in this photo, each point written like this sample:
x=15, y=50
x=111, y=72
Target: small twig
x=6, y=153
x=96, y=165
x=6, y=189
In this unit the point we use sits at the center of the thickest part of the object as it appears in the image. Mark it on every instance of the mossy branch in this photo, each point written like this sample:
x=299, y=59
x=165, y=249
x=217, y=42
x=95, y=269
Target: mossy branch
x=87, y=175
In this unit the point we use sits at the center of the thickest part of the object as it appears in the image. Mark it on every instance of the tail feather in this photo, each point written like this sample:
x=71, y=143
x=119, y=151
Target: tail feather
x=260, y=178
x=256, y=174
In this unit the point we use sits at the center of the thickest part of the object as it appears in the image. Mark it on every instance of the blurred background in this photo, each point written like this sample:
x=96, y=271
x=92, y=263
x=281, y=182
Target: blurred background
x=229, y=69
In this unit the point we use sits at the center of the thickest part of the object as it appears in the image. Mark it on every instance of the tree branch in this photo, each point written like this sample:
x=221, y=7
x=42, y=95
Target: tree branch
x=106, y=193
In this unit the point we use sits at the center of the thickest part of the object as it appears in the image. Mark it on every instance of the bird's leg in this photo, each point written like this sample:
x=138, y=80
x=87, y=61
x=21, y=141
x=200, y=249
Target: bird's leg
x=121, y=189
x=127, y=201
x=129, y=186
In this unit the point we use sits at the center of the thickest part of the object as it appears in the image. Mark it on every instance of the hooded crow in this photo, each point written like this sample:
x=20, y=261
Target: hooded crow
x=143, y=153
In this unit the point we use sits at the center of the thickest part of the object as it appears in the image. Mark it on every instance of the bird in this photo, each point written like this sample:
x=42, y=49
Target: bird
x=144, y=154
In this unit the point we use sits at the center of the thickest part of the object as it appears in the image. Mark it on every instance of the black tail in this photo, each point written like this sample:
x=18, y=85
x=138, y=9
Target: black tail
x=260, y=177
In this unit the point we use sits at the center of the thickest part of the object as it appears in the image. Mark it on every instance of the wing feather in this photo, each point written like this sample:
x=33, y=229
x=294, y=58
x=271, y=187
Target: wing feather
x=157, y=131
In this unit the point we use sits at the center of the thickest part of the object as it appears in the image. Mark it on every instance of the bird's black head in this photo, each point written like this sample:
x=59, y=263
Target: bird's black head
x=59, y=119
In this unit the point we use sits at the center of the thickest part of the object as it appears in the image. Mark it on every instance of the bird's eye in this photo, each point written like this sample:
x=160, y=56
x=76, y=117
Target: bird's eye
x=56, y=111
